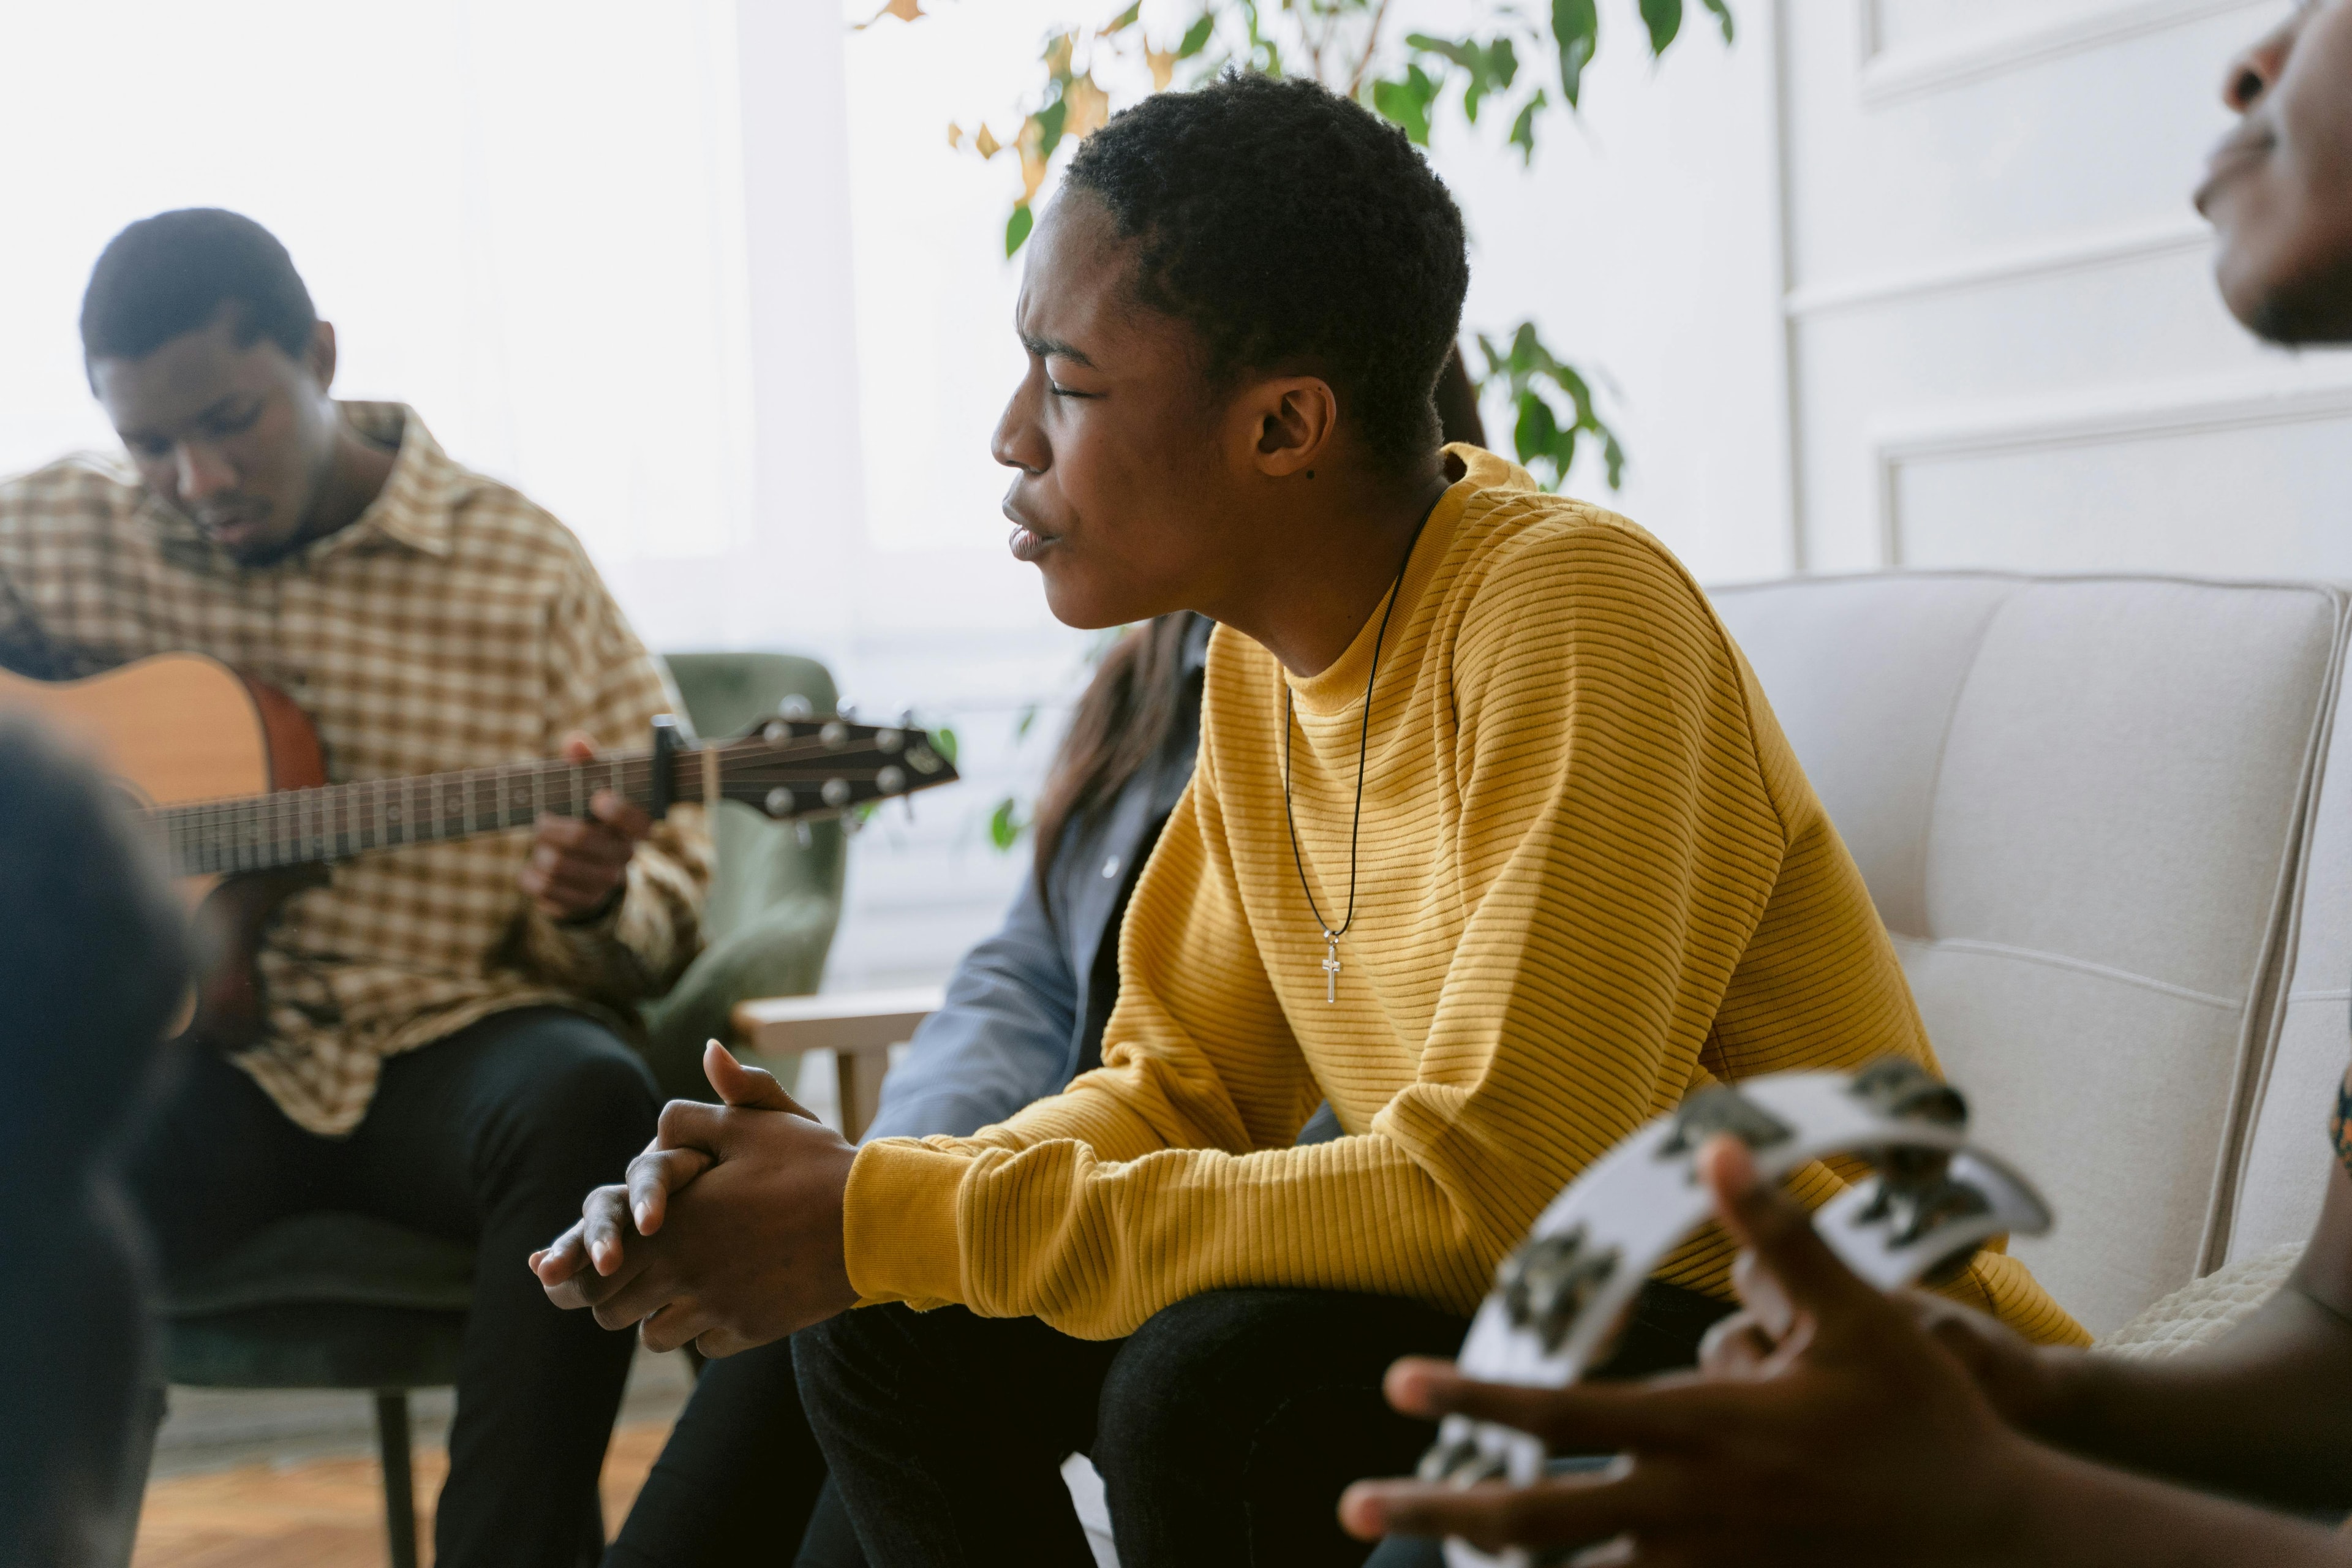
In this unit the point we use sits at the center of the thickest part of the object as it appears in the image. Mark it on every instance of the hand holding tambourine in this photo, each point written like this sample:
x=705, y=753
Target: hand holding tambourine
x=1931, y=1200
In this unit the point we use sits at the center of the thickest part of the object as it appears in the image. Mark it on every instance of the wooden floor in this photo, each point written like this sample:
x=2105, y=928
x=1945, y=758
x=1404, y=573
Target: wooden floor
x=326, y=1513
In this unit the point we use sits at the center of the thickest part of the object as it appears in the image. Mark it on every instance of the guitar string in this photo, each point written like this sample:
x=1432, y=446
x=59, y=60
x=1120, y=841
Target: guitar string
x=278, y=826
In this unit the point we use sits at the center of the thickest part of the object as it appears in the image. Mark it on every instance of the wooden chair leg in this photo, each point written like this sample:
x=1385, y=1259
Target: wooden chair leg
x=857, y=1076
x=399, y=1482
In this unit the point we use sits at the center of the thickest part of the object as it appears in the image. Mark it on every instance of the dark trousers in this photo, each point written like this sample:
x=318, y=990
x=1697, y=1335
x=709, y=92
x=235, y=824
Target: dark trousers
x=1225, y=1428
x=492, y=1136
x=740, y=1479
x=737, y=1480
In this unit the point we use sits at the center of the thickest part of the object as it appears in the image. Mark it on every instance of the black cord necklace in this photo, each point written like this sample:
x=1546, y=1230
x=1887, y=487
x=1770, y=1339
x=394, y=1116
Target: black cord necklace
x=1363, y=740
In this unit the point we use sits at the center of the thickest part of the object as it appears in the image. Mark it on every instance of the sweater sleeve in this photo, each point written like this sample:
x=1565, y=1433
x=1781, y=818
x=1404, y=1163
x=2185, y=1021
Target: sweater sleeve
x=1614, y=847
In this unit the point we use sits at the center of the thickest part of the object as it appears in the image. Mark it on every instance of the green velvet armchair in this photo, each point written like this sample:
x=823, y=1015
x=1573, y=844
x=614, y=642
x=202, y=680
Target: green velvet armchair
x=338, y=1301
x=775, y=896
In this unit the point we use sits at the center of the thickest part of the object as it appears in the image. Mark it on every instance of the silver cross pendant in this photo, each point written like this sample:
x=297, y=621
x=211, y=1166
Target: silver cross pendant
x=1331, y=969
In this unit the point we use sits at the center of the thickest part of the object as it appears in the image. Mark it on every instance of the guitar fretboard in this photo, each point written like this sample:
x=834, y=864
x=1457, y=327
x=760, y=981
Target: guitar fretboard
x=305, y=827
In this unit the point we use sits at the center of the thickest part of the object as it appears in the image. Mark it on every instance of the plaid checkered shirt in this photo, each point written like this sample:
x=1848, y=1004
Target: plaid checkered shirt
x=454, y=625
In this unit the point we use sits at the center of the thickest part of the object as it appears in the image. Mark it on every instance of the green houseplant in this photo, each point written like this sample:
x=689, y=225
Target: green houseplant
x=1515, y=69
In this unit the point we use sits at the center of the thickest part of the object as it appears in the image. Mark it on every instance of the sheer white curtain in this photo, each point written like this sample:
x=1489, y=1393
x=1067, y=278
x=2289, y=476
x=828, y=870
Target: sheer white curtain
x=526, y=219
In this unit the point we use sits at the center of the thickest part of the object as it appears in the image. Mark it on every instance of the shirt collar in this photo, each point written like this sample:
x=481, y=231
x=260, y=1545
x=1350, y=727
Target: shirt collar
x=417, y=506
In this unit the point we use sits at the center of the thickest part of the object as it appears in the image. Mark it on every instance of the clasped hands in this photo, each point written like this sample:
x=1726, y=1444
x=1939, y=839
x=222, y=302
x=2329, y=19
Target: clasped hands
x=728, y=1232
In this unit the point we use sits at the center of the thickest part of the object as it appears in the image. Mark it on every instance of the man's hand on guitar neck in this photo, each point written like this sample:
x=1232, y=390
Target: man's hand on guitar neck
x=729, y=1232
x=579, y=867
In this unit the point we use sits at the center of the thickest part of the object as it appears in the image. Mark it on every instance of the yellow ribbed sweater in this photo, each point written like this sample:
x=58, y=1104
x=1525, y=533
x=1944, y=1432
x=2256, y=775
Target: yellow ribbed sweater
x=1592, y=878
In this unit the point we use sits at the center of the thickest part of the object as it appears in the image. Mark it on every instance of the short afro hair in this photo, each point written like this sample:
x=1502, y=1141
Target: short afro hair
x=1292, y=228
x=172, y=273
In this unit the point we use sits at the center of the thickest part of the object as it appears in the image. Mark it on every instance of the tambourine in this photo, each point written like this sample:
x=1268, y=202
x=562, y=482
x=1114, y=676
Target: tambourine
x=1930, y=1200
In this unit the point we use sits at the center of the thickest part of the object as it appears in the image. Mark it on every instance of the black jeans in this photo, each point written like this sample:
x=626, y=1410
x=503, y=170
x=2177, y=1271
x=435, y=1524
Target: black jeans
x=492, y=1136
x=739, y=1477
x=1225, y=1427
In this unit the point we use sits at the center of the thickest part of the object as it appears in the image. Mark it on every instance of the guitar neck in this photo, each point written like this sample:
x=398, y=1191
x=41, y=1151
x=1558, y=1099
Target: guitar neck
x=311, y=827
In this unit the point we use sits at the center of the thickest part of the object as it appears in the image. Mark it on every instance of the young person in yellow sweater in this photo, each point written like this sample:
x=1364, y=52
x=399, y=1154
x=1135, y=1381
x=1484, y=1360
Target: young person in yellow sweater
x=1493, y=842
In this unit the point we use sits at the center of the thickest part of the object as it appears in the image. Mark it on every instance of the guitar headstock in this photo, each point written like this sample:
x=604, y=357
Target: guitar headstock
x=794, y=767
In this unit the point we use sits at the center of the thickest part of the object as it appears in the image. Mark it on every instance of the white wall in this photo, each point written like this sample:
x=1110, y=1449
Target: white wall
x=2008, y=347
x=1645, y=241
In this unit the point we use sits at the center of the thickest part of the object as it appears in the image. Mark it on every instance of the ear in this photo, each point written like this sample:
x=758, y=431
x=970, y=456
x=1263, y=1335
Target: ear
x=320, y=360
x=1294, y=425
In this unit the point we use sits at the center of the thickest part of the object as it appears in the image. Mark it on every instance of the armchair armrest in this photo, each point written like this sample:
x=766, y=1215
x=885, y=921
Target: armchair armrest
x=857, y=1027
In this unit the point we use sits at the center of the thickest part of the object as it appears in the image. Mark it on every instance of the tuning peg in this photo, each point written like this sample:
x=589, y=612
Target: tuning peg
x=795, y=706
x=835, y=793
x=804, y=834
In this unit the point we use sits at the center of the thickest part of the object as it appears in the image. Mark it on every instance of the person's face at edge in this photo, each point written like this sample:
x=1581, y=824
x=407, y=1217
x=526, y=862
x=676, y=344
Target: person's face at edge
x=1126, y=481
x=240, y=437
x=2279, y=189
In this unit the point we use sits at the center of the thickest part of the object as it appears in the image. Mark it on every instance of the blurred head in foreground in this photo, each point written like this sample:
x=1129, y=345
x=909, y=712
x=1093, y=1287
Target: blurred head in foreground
x=93, y=970
x=1232, y=280
x=2280, y=185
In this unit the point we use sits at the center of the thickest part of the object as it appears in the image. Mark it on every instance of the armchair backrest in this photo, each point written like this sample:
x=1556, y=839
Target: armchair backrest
x=2078, y=803
x=758, y=862
x=2282, y=1170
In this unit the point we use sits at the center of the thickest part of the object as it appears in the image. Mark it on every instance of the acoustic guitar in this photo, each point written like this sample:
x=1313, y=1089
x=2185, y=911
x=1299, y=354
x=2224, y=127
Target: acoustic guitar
x=230, y=774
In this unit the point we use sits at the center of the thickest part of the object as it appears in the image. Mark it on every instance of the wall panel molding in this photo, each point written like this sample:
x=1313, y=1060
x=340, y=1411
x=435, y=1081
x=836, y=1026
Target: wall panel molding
x=2096, y=418
x=1890, y=75
x=2115, y=247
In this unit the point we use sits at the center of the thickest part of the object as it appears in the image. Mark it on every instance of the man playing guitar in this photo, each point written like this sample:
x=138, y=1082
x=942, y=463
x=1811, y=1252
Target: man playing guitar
x=442, y=1039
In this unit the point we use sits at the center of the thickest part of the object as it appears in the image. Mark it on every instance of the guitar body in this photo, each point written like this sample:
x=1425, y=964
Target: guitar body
x=181, y=727
x=211, y=755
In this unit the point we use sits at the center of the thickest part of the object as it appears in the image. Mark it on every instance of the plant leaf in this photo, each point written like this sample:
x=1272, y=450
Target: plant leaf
x=1536, y=429
x=1406, y=102
x=1576, y=29
x=1004, y=825
x=1017, y=227
x=1121, y=22
x=1050, y=121
x=1501, y=63
x=1664, y=19
x=1196, y=37
x=943, y=741
x=1461, y=51
x=1722, y=9
x=1523, y=134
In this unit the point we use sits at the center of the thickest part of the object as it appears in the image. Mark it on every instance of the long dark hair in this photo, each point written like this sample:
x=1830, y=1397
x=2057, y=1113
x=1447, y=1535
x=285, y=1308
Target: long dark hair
x=1121, y=719
x=1126, y=711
